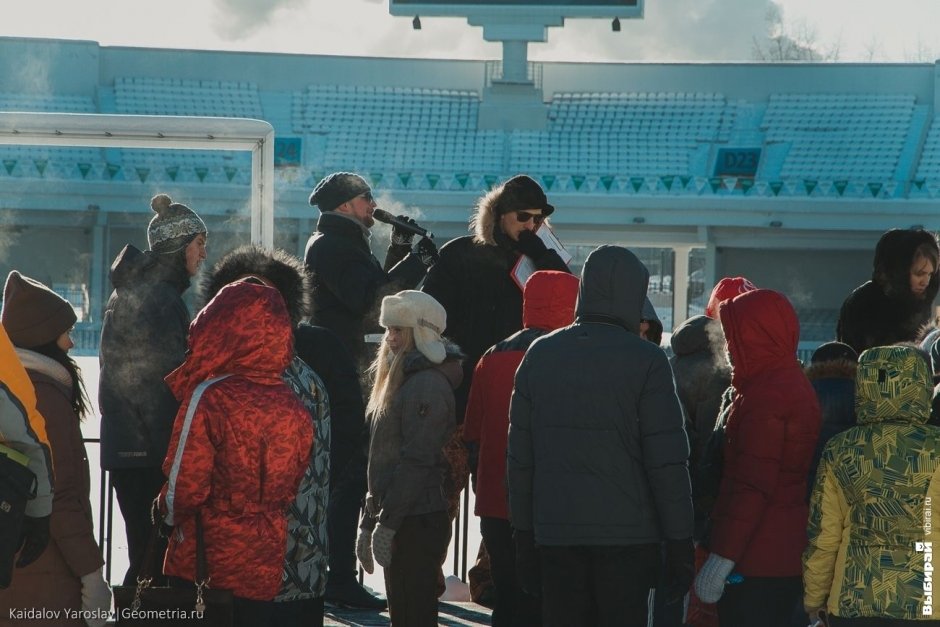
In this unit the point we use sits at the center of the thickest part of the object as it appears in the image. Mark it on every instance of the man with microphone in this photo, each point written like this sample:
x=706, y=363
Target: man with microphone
x=348, y=285
x=348, y=281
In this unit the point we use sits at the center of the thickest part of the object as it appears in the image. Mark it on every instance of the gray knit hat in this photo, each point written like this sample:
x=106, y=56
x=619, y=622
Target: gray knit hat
x=174, y=226
x=337, y=188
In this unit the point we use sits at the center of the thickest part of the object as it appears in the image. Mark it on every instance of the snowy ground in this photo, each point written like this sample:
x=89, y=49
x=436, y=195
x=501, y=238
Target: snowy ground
x=118, y=558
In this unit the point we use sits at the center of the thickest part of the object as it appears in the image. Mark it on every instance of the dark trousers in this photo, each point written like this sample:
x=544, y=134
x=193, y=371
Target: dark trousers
x=251, y=613
x=346, y=495
x=418, y=551
x=835, y=621
x=667, y=613
x=136, y=488
x=597, y=586
x=303, y=613
x=765, y=601
x=514, y=608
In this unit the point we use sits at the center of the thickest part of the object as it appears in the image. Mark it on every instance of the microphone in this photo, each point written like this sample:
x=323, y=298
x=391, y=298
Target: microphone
x=384, y=216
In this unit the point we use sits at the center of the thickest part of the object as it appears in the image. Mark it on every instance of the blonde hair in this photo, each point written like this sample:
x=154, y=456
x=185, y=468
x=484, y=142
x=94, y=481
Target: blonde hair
x=388, y=373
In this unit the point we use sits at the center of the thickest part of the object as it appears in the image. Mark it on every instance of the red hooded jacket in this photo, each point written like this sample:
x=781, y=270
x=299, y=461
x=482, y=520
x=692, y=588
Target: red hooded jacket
x=760, y=516
x=548, y=302
x=247, y=447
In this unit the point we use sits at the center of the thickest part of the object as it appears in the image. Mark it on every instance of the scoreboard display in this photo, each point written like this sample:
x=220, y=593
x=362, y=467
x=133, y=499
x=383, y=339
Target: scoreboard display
x=523, y=3
x=561, y=8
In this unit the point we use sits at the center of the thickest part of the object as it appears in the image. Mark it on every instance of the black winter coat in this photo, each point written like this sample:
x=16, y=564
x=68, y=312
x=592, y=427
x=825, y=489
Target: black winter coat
x=883, y=311
x=349, y=283
x=143, y=339
x=323, y=351
x=597, y=450
x=483, y=302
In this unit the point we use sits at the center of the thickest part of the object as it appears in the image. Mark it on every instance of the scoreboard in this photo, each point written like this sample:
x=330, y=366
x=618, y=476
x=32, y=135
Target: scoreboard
x=519, y=8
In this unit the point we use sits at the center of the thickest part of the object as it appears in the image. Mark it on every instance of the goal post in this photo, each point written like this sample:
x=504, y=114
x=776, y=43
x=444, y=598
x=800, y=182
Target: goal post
x=161, y=132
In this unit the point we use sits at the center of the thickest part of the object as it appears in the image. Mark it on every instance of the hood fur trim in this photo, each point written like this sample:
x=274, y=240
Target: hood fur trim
x=284, y=271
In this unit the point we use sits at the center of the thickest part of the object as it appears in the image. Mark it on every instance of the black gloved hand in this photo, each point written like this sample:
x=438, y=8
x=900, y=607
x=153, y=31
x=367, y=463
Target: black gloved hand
x=530, y=244
x=528, y=572
x=427, y=251
x=401, y=237
x=680, y=568
x=33, y=540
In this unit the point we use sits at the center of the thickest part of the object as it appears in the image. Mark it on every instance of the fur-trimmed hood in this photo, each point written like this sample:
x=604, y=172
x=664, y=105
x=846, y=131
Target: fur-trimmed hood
x=284, y=271
x=483, y=222
x=836, y=369
x=519, y=192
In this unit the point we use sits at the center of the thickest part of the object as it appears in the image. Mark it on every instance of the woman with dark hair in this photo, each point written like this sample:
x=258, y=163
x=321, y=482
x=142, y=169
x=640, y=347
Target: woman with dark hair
x=143, y=339
x=68, y=574
x=898, y=300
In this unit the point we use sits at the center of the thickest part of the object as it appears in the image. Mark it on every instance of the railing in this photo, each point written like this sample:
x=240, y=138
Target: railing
x=106, y=525
x=493, y=71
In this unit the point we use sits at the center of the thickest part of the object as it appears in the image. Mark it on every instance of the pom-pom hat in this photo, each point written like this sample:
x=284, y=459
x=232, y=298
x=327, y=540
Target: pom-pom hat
x=174, y=226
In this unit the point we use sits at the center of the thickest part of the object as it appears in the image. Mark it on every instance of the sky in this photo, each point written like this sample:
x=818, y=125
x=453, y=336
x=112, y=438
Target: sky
x=672, y=30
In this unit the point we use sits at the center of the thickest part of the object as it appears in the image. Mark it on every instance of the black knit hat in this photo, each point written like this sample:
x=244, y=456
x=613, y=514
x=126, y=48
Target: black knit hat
x=337, y=188
x=33, y=314
x=834, y=351
x=522, y=192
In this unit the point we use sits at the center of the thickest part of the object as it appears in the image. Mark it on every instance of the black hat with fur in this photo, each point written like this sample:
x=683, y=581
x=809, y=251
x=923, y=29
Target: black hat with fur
x=279, y=268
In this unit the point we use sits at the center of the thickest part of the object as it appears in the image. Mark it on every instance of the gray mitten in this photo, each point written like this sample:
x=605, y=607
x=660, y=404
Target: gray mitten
x=364, y=550
x=382, y=545
x=710, y=582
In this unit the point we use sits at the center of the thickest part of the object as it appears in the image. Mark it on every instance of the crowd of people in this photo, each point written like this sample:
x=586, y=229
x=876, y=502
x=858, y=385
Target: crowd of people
x=321, y=412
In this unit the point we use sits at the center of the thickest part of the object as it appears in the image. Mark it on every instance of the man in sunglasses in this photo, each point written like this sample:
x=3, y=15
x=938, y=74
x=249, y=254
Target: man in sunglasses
x=473, y=278
x=348, y=283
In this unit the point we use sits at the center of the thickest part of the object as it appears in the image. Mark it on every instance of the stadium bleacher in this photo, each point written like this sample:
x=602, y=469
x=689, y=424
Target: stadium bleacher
x=424, y=138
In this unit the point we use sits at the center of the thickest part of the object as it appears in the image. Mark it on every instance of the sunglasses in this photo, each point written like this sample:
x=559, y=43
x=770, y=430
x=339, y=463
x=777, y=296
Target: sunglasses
x=366, y=197
x=525, y=216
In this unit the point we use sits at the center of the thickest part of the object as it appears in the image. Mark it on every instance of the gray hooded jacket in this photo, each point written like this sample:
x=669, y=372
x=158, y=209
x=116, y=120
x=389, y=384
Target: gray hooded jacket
x=597, y=449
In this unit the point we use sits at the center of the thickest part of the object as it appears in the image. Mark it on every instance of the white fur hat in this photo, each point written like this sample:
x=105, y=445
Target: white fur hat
x=423, y=314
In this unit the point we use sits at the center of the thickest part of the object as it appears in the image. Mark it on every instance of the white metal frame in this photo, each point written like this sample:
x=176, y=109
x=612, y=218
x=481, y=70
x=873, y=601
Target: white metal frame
x=164, y=132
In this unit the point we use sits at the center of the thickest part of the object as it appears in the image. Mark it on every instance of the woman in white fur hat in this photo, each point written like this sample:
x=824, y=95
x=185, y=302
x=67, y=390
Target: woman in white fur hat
x=411, y=415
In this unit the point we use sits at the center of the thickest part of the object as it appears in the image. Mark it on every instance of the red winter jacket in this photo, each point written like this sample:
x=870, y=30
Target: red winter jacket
x=548, y=304
x=247, y=446
x=759, y=520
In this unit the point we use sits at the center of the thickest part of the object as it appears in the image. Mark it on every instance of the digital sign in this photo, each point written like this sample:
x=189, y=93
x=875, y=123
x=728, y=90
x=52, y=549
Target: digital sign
x=524, y=3
x=737, y=162
x=518, y=8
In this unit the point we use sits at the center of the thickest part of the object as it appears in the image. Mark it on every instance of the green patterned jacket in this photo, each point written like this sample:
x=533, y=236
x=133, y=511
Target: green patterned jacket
x=871, y=507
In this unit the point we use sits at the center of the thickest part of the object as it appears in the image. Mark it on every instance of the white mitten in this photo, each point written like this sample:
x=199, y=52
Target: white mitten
x=364, y=550
x=710, y=582
x=382, y=545
x=96, y=598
